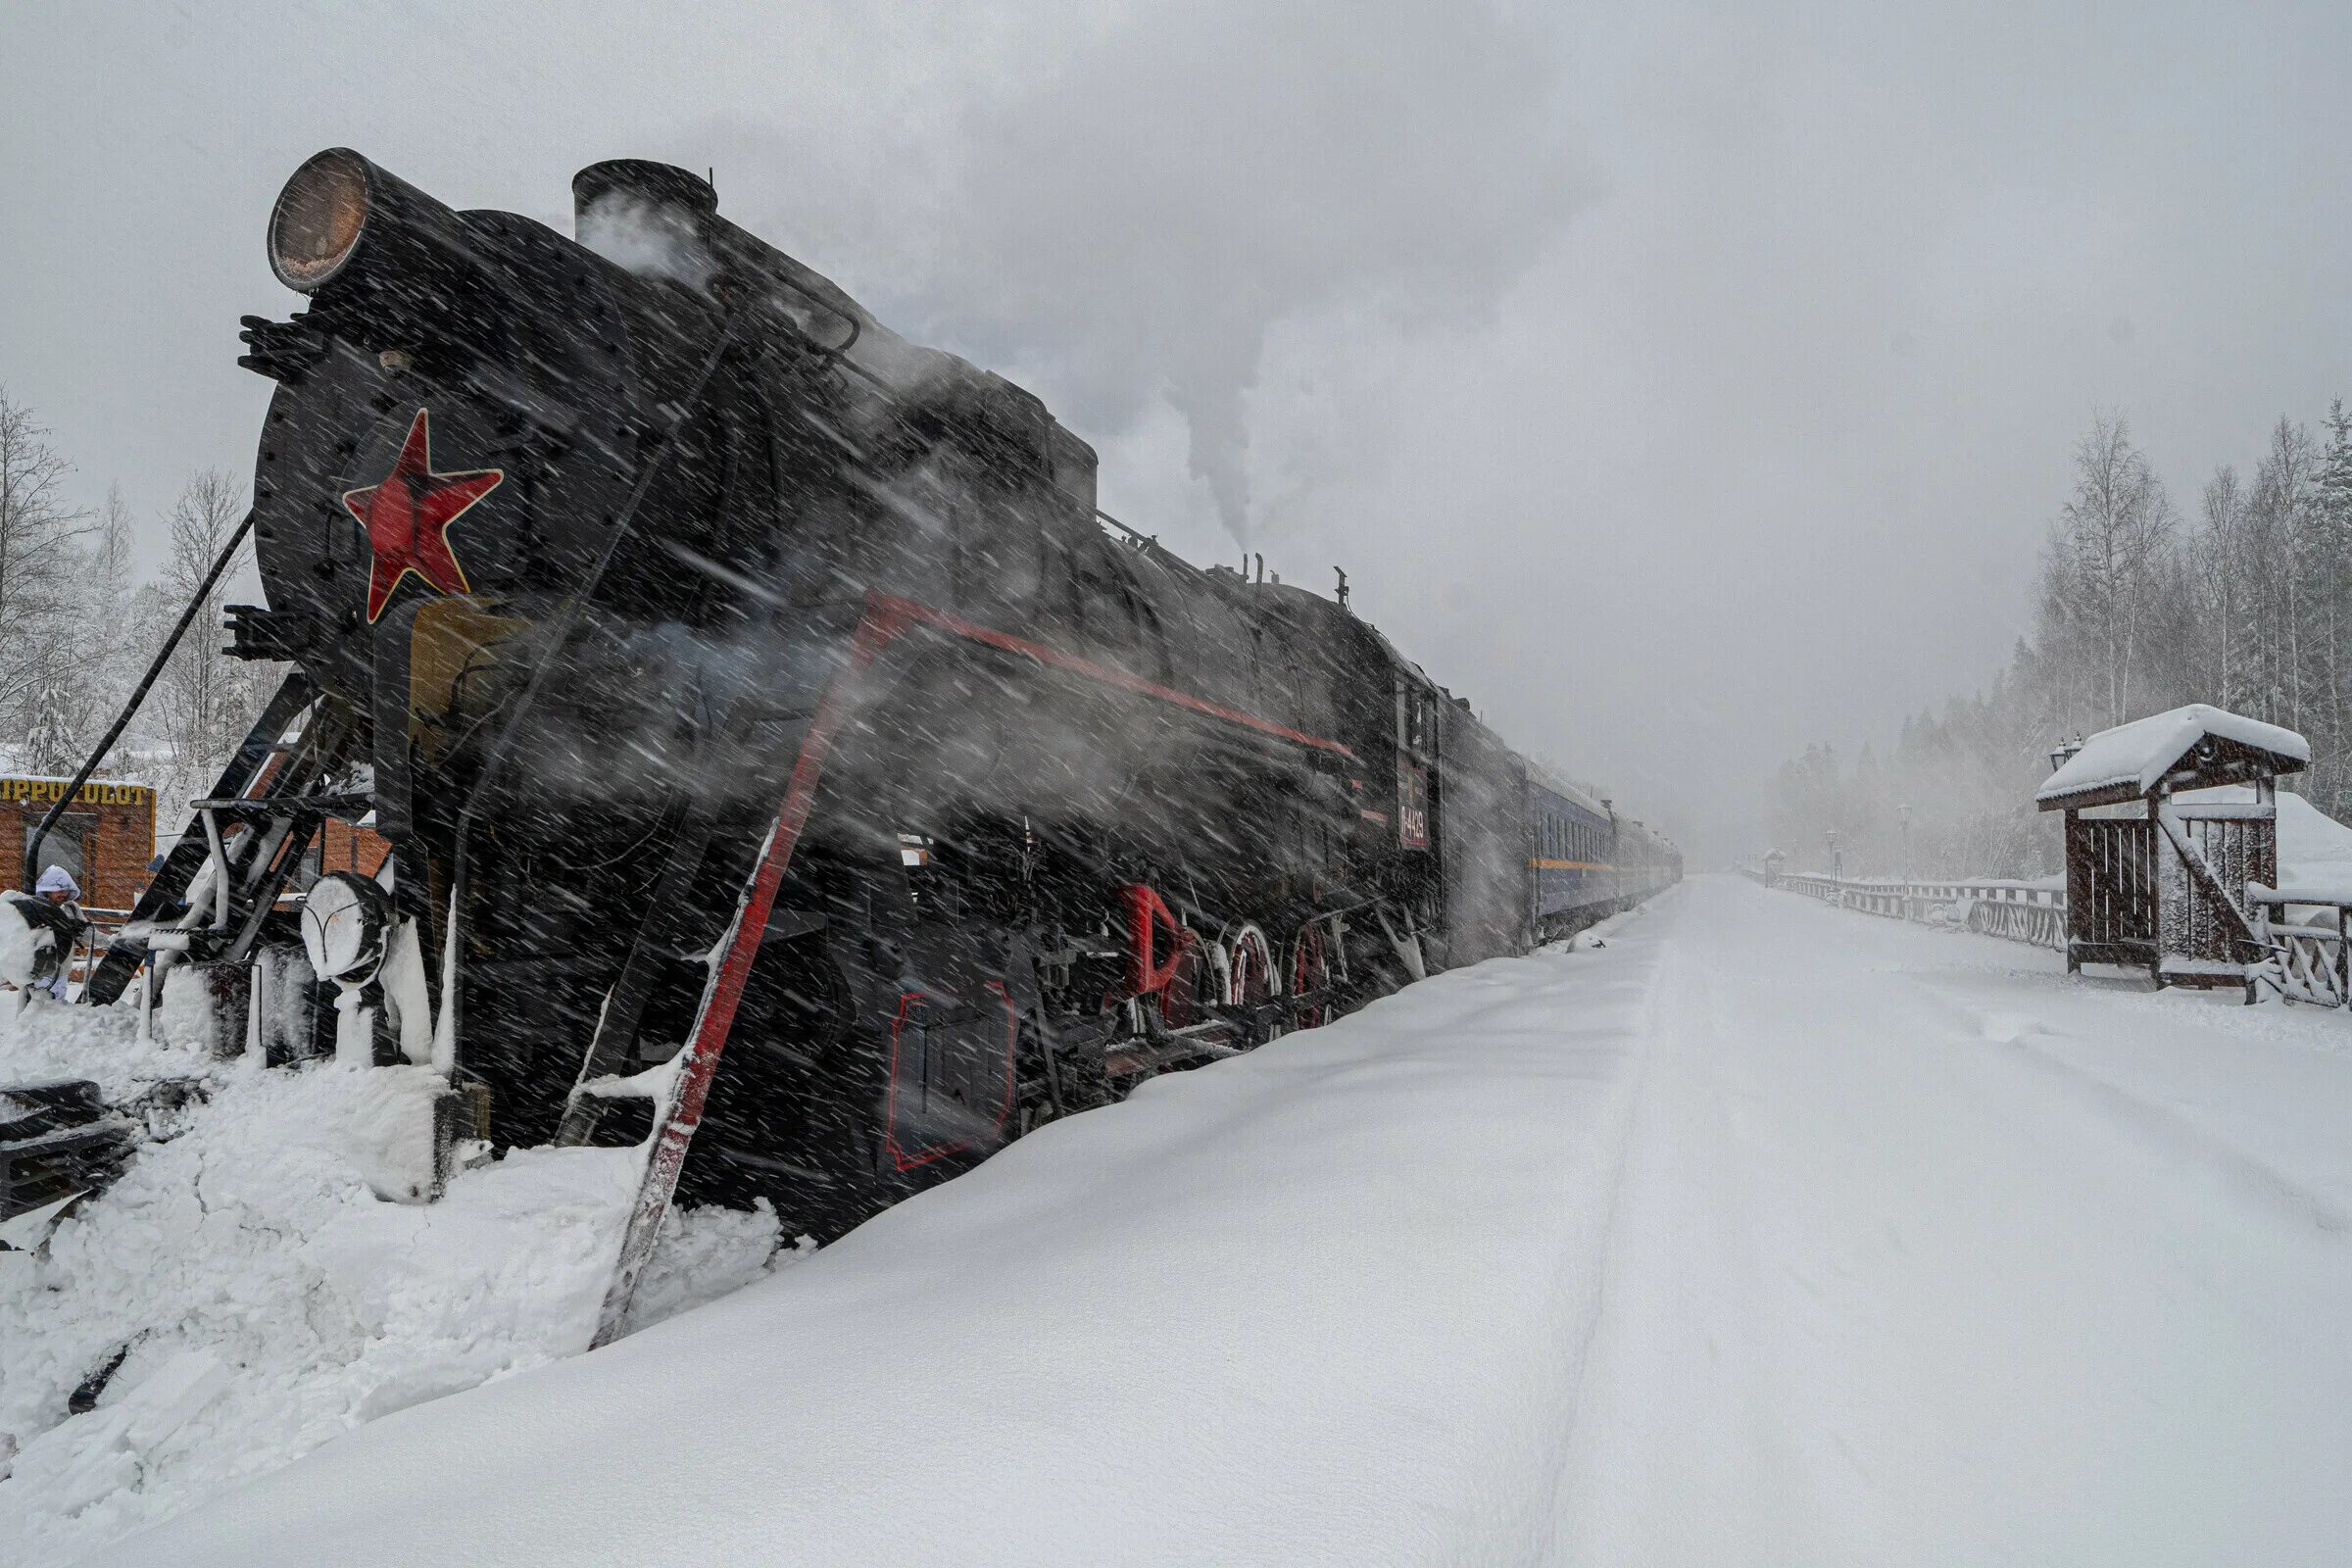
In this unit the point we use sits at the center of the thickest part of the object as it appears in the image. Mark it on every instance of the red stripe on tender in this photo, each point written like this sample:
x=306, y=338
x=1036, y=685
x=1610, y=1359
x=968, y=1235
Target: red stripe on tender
x=1055, y=658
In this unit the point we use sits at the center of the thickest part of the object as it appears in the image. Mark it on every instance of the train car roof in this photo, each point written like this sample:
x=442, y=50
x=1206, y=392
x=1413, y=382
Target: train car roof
x=1552, y=783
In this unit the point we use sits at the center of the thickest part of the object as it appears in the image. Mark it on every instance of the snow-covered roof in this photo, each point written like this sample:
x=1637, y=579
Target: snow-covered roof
x=1570, y=793
x=15, y=776
x=2140, y=753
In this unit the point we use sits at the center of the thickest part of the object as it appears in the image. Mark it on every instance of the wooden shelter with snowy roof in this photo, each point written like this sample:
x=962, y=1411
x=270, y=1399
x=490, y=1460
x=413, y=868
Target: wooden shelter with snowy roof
x=2158, y=883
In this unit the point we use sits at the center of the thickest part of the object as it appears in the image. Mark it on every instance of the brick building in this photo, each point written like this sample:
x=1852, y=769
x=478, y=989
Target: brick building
x=343, y=847
x=104, y=839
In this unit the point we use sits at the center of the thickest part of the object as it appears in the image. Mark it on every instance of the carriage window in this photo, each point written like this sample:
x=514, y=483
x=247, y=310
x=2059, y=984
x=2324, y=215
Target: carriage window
x=1417, y=722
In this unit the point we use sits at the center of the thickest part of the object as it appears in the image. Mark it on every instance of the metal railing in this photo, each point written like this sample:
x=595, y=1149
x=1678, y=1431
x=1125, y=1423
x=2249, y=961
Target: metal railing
x=2310, y=953
x=2022, y=911
x=100, y=929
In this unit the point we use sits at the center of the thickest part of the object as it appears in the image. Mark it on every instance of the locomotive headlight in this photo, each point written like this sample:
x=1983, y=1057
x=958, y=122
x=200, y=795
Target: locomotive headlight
x=317, y=223
x=344, y=917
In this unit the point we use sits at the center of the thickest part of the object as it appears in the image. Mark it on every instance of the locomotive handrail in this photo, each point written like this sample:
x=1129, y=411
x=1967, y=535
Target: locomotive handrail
x=130, y=708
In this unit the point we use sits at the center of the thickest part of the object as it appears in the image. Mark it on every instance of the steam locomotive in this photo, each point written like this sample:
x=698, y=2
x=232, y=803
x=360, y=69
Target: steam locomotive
x=726, y=672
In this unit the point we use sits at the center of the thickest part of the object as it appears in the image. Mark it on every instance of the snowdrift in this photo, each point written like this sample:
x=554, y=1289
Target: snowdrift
x=256, y=1296
x=1313, y=1304
x=2314, y=849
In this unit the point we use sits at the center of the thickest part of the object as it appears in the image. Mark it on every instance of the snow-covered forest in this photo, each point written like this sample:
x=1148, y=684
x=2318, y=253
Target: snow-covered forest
x=2242, y=596
x=85, y=601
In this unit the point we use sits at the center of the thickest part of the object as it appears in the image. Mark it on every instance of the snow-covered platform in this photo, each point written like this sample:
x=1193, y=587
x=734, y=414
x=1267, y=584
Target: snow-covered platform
x=1765, y=1232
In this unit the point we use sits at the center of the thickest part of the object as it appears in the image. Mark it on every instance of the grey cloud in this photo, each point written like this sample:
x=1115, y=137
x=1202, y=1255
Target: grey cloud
x=1135, y=222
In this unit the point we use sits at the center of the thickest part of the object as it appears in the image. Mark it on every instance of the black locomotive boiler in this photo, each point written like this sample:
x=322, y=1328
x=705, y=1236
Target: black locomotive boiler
x=726, y=671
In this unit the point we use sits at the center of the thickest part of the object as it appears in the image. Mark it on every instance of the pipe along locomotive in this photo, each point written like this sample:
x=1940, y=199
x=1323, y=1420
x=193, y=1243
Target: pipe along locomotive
x=726, y=671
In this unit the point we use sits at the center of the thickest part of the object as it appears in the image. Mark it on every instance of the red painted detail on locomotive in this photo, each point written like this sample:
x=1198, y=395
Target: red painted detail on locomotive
x=1055, y=658
x=1147, y=912
x=682, y=1109
x=408, y=517
x=900, y=1157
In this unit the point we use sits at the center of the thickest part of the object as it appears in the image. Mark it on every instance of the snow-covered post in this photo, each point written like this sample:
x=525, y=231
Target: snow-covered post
x=2343, y=957
x=1902, y=814
x=355, y=1025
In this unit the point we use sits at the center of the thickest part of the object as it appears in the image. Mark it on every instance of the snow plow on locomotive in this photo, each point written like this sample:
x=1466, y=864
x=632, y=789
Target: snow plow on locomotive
x=726, y=672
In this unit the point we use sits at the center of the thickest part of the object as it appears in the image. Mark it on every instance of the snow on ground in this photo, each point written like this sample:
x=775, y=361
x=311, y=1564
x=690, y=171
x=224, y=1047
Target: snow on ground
x=1765, y=1232
x=1926, y=1253
x=268, y=1299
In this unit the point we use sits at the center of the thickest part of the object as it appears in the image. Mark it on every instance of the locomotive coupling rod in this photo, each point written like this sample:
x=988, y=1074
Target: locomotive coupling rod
x=138, y=696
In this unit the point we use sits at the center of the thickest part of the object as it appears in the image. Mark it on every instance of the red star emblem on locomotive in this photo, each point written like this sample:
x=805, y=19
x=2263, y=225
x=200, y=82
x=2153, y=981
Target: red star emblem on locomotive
x=408, y=517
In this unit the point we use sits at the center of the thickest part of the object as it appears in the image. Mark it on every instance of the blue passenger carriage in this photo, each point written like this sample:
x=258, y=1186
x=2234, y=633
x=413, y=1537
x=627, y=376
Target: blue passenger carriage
x=1584, y=861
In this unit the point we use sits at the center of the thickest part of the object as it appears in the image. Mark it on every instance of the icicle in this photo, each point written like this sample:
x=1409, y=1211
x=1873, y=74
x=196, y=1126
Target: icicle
x=445, y=1026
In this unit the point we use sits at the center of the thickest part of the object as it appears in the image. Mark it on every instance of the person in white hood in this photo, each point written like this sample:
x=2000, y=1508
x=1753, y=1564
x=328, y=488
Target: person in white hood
x=58, y=885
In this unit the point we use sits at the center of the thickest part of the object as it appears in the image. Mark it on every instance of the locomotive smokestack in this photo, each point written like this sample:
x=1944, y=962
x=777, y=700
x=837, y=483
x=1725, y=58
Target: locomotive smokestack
x=649, y=217
x=661, y=220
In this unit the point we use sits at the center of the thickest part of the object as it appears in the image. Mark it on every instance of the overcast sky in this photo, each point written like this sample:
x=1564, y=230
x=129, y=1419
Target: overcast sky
x=1680, y=382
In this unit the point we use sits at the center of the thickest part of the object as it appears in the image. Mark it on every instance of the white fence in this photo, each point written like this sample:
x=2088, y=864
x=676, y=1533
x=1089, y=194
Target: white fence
x=2311, y=958
x=2308, y=949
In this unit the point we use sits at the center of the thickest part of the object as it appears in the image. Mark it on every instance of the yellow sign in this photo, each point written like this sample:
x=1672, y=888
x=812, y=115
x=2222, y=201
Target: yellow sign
x=41, y=791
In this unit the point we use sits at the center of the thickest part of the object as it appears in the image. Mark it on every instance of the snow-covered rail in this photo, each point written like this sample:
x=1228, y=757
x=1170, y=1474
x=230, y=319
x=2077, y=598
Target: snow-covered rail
x=2022, y=912
x=2310, y=931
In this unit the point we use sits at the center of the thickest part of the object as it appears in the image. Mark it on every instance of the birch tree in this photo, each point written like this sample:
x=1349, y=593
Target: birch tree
x=205, y=700
x=2100, y=575
x=40, y=534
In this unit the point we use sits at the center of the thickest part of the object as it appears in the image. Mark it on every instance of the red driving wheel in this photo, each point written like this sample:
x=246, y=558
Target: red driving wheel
x=1310, y=978
x=1184, y=1000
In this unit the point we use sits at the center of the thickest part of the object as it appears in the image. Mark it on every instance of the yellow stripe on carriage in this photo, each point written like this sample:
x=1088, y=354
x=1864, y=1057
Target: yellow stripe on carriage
x=1571, y=865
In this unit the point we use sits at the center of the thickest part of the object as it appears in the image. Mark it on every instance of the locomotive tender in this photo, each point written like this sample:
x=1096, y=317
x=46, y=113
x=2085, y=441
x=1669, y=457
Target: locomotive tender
x=726, y=671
